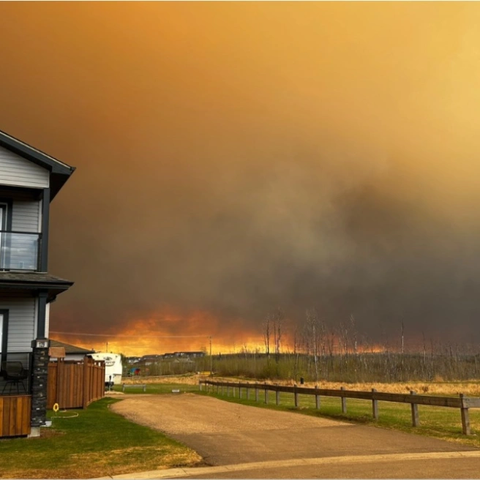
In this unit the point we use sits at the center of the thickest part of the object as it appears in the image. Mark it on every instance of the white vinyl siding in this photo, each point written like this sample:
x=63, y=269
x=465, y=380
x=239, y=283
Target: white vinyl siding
x=17, y=171
x=25, y=214
x=21, y=320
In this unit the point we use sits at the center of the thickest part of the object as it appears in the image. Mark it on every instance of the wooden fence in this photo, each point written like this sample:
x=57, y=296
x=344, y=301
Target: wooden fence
x=461, y=402
x=15, y=414
x=75, y=384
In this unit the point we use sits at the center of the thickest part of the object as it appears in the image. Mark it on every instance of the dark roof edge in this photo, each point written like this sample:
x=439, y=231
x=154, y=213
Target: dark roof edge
x=60, y=171
x=62, y=284
x=32, y=153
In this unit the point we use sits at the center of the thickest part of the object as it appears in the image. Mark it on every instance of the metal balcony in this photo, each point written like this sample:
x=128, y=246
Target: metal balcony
x=19, y=250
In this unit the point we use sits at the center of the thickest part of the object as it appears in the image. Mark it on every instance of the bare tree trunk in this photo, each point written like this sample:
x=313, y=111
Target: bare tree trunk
x=295, y=353
x=354, y=332
x=403, y=339
x=277, y=332
x=266, y=336
x=314, y=334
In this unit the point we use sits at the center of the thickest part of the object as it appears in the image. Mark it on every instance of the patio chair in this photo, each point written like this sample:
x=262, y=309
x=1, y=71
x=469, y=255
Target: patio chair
x=14, y=375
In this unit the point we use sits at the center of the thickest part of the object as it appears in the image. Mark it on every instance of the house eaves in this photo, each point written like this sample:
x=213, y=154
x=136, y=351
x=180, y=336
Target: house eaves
x=59, y=172
x=35, y=281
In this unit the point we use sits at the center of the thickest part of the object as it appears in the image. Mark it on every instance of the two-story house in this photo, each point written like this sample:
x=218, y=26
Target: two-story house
x=29, y=181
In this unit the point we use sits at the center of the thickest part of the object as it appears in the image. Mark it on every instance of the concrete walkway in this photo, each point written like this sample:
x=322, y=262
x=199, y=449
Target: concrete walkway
x=247, y=442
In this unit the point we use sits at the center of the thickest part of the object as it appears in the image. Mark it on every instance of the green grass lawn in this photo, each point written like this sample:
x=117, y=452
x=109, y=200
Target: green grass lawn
x=158, y=388
x=439, y=422
x=95, y=443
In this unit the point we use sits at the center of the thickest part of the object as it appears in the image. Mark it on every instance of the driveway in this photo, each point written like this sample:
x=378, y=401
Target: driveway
x=250, y=442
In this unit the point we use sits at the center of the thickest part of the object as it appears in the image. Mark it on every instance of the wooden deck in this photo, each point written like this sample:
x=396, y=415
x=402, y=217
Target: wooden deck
x=15, y=414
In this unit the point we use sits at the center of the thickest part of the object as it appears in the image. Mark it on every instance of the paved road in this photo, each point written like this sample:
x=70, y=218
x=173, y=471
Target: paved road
x=247, y=442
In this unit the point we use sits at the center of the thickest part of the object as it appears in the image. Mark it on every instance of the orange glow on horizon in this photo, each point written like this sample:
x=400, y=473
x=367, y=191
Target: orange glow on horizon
x=168, y=332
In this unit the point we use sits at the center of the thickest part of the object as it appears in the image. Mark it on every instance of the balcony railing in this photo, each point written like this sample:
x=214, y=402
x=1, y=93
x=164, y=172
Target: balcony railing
x=19, y=250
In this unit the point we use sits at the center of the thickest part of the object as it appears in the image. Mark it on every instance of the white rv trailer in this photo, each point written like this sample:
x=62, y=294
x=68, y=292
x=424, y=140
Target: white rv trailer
x=113, y=367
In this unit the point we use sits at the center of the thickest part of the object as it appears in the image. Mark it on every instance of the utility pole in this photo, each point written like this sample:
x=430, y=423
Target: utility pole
x=211, y=358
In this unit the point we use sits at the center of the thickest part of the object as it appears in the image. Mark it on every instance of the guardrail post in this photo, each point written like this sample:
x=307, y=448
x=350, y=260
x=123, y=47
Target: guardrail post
x=295, y=395
x=266, y=394
x=344, y=401
x=465, y=417
x=415, y=419
x=256, y=391
x=317, y=399
x=374, y=405
x=277, y=397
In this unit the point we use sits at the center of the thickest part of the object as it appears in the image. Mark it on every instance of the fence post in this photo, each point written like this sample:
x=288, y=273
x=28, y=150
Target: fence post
x=60, y=382
x=295, y=395
x=239, y=390
x=277, y=397
x=256, y=391
x=374, y=405
x=266, y=394
x=86, y=383
x=415, y=419
x=317, y=398
x=344, y=402
x=200, y=384
x=247, y=392
x=465, y=417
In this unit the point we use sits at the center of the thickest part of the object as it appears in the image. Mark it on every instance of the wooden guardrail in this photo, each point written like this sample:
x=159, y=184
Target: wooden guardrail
x=461, y=402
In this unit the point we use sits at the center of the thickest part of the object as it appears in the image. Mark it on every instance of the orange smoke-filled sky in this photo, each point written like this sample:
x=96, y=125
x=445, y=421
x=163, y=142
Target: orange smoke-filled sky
x=237, y=157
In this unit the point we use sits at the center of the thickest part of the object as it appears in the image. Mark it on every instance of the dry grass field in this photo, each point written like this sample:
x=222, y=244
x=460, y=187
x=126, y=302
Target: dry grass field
x=437, y=387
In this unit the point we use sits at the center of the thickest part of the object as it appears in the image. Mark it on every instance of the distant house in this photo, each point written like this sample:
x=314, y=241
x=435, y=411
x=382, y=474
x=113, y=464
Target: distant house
x=71, y=352
x=150, y=359
x=189, y=354
x=132, y=360
x=29, y=181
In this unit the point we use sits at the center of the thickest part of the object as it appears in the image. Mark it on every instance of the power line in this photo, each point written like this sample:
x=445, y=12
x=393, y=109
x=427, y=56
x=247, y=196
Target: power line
x=129, y=336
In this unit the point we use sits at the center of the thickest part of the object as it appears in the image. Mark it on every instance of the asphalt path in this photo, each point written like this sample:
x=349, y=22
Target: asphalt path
x=238, y=441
